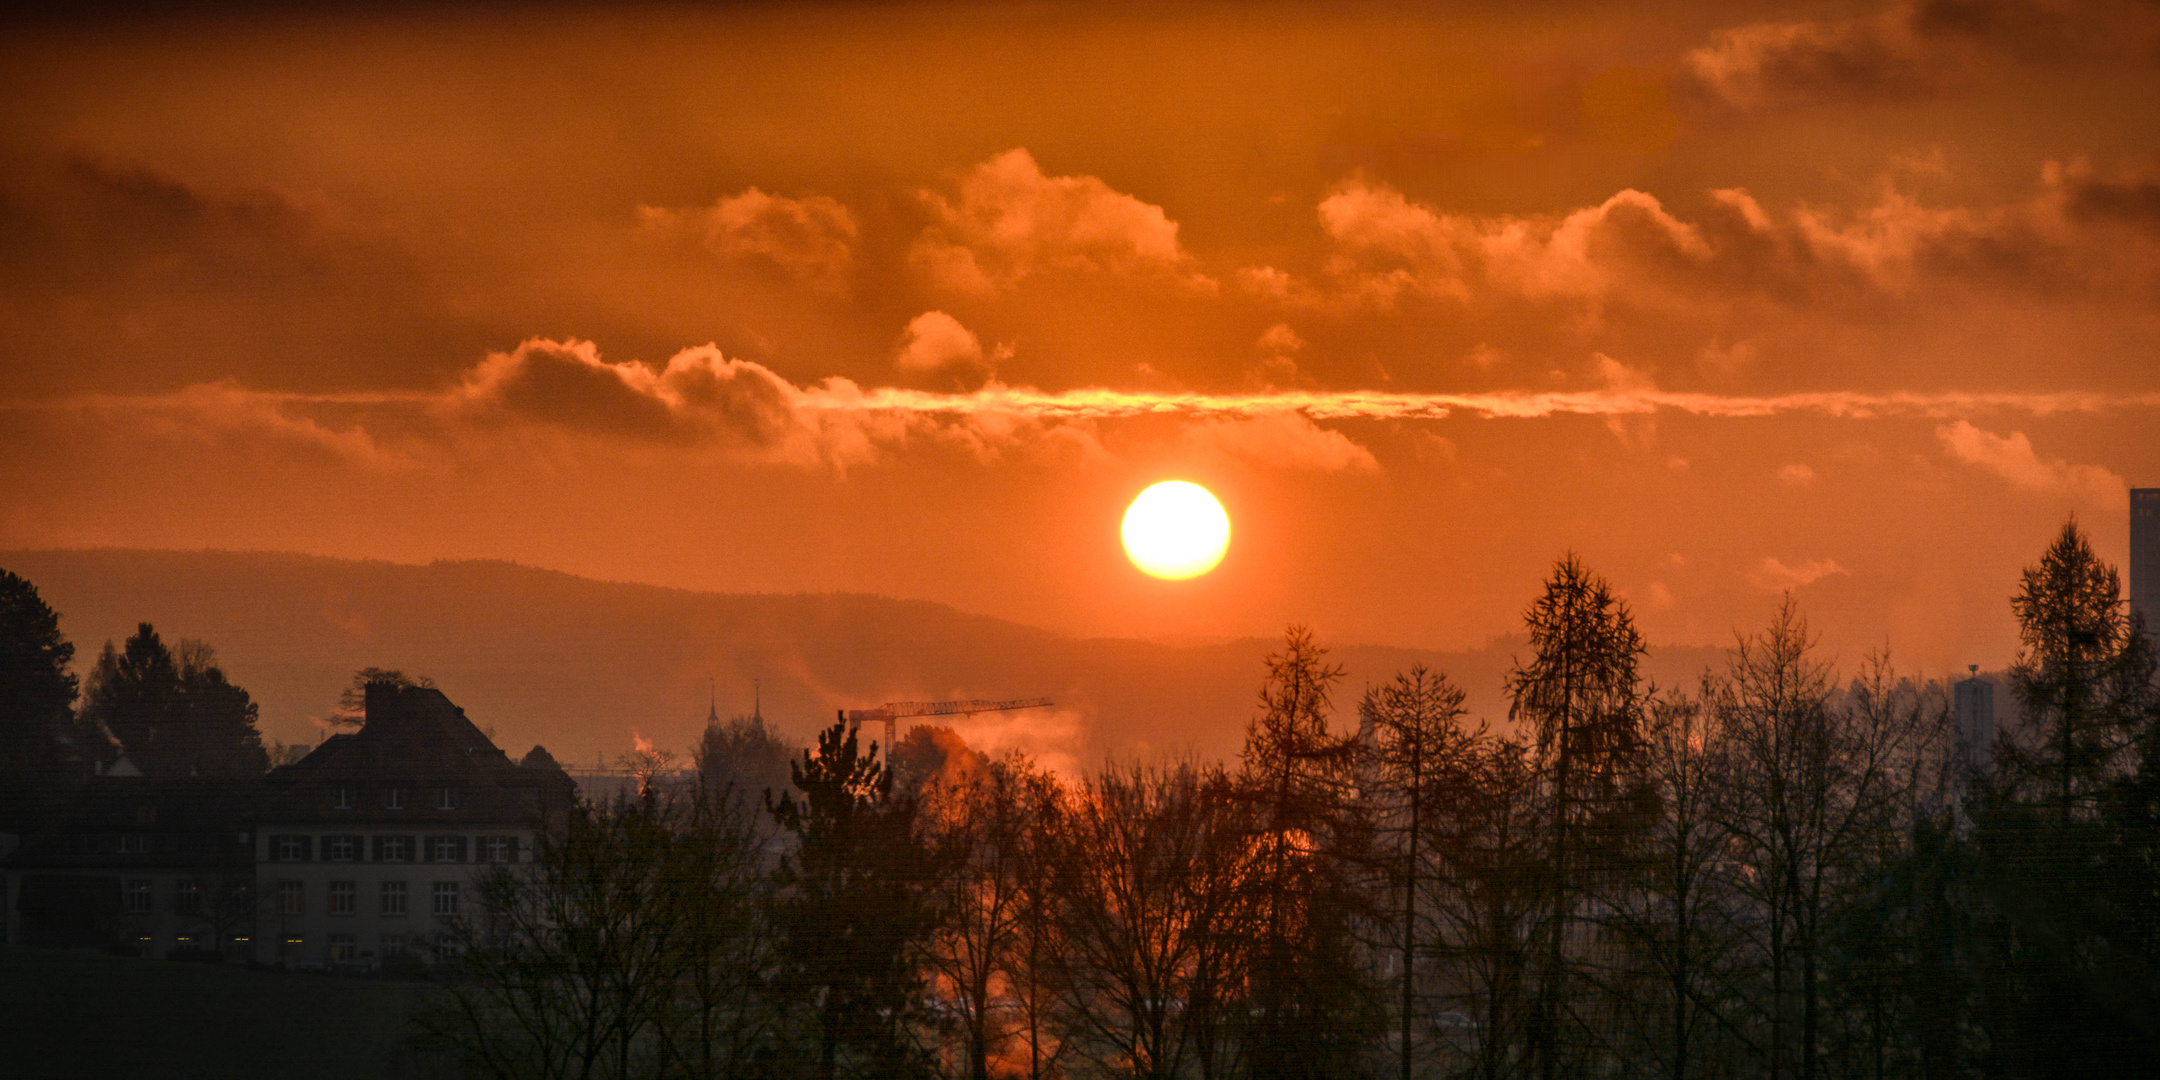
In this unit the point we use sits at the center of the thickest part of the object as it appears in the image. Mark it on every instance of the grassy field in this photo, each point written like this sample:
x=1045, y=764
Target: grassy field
x=66, y=1015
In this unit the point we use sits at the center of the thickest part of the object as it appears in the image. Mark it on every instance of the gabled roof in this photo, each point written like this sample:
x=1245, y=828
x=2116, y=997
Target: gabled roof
x=416, y=740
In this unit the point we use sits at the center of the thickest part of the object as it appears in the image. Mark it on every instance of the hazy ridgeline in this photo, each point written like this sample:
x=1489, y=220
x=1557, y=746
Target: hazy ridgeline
x=1779, y=870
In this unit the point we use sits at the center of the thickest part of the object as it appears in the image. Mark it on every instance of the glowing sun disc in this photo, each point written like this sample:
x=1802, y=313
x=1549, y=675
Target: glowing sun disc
x=1176, y=530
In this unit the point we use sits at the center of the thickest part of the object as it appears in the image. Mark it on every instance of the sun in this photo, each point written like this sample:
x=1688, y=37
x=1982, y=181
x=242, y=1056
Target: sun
x=1176, y=530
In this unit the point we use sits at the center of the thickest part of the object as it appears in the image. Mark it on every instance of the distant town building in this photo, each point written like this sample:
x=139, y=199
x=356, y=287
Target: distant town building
x=365, y=844
x=2145, y=555
x=1974, y=713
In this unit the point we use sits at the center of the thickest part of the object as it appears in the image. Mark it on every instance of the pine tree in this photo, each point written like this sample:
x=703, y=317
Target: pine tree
x=37, y=699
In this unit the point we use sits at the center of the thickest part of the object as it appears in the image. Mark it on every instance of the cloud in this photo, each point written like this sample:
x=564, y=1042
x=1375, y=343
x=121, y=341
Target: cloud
x=936, y=344
x=1773, y=575
x=1796, y=475
x=1911, y=48
x=1629, y=249
x=811, y=238
x=2012, y=458
x=1011, y=222
x=1280, y=441
x=1872, y=56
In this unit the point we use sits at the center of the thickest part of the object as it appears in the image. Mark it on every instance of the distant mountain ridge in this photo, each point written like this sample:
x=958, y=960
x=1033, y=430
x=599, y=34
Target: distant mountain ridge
x=579, y=665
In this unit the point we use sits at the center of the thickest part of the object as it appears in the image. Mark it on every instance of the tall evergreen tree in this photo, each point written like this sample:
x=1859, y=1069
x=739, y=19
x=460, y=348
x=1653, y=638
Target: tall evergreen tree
x=1311, y=1005
x=1580, y=692
x=37, y=699
x=852, y=905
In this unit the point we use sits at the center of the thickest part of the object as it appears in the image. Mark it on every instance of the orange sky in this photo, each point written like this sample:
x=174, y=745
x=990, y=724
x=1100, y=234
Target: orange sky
x=1851, y=299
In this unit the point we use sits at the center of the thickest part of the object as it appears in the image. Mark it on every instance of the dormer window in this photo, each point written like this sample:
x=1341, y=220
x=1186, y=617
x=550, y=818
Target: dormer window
x=445, y=798
x=393, y=798
x=341, y=799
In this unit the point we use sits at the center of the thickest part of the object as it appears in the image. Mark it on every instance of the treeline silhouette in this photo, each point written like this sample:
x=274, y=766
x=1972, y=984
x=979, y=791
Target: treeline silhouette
x=1779, y=871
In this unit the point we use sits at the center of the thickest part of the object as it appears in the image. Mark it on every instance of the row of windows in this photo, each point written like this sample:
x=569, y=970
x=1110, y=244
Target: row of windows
x=189, y=896
x=393, y=898
x=348, y=798
x=494, y=849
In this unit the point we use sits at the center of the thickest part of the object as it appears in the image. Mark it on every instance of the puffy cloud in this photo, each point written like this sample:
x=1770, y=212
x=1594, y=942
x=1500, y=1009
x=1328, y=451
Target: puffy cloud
x=936, y=344
x=1773, y=575
x=2012, y=458
x=1797, y=475
x=1387, y=248
x=1010, y=222
x=811, y=238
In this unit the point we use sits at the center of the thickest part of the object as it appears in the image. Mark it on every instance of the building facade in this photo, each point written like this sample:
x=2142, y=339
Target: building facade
x=152, y=865
x=363, y=848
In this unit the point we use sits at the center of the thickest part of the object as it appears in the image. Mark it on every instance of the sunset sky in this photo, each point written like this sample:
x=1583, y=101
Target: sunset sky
x=1855, y=300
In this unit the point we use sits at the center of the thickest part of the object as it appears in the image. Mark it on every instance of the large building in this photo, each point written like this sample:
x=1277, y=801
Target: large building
x=2145, y=555
x=347, y=857
x=151, y=865
x=363, y=846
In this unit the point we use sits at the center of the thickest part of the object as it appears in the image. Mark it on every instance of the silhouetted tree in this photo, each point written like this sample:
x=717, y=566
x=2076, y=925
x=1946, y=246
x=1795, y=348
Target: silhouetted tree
x=37, y=700
x=1417, y=760
x=1312, y=1005
x=1580, y=693
x=851, y=905
x=174, y=715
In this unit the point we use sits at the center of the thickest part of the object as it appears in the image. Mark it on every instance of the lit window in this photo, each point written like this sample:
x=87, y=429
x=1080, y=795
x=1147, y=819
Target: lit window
x=445, y=798
x=144, y=942
x=393, y=848
x=184, y=943
x=138, y=896
x=187, y=898
x=495, y=849
x=393, y=798
x=446, y=897
x=341, y=897
x=444, y=849
x=293, y=946
x=342, y=800
x=291, y=898
x=393, y=898
x=342, y=848
x=341, y=948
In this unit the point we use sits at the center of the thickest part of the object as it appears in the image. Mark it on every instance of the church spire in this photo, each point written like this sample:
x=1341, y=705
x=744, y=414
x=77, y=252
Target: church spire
x=757, y=710
x=712, y=710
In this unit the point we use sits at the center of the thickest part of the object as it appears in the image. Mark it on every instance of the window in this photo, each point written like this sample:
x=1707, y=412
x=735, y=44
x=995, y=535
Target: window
x=341, y=897
x=446, y=897
x=445, y=848
x=445, y=798
x=184, y=943
x=393, y=898
x=495, y=849
x=393, y=798
x=341, y=948
x=393, y=849
x=292, y=946
x=341, y=848
x=144, y=942
x=341, y=799
x=187, y=897
x=138, y=896
x=289, y=848
x=291, y=898
x=134, y=843
x=394, y=945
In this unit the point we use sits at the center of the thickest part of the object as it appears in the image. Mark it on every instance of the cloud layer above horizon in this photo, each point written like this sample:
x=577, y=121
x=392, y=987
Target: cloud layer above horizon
x=1735, y=300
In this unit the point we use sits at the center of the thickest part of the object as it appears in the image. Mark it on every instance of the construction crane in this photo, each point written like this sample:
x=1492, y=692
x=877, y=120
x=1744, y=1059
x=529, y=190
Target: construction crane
x=892, y=711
